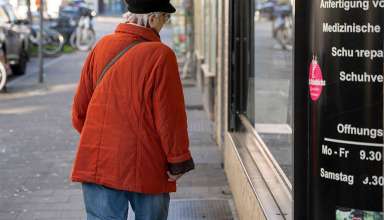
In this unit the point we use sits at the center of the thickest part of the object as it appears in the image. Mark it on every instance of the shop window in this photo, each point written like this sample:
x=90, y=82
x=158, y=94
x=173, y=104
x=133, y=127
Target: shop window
x=207, y=28
x=209, y=34
x=269, y=89
x=213, y=37
x=200, y=28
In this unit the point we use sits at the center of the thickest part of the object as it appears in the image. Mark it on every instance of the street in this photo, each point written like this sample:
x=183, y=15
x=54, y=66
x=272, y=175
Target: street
x=38, y=144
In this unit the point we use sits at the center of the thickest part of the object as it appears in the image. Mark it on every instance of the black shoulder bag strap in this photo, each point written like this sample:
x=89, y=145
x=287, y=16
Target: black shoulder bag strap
x=115, y=59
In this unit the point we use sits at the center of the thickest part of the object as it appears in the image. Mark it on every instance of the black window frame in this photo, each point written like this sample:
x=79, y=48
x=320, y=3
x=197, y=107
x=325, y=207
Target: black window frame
x=240, y=62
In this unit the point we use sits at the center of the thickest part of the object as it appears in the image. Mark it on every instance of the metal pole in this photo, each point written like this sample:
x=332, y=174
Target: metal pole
x=41, y=61
x=29, y=13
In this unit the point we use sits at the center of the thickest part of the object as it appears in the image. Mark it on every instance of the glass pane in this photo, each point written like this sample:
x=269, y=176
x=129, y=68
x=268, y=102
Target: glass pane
x=270, y=86
x=213, y=29
x=199, y=26
x=207, y=19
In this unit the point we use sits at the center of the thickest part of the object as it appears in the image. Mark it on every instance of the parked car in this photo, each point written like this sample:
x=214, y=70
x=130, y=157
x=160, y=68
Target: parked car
x=16, y=35
x=5, y=69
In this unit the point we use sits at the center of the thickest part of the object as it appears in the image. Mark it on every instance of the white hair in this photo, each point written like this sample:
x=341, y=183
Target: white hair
x=139, y=19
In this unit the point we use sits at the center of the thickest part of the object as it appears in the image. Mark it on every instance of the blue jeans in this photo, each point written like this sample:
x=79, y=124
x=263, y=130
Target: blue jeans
x=102, y=203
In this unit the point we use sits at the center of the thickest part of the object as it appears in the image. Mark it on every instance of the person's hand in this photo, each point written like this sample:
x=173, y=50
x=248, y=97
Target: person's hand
x=173, y=178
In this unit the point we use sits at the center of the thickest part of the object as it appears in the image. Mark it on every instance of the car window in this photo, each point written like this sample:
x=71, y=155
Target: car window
x=3, y=16
x=11, y=14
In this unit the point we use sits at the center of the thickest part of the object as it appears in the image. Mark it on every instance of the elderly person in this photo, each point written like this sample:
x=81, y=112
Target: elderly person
x=130, y=113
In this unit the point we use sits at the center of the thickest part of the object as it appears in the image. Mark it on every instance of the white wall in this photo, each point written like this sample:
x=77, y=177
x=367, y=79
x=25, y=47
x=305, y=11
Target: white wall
x=53, y=7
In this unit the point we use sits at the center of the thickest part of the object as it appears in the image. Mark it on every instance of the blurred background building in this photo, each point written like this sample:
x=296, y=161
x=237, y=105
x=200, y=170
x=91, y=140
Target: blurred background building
x=106, y=7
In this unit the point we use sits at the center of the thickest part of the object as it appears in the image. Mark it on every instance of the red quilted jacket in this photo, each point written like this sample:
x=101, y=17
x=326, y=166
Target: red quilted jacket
x=133, y=125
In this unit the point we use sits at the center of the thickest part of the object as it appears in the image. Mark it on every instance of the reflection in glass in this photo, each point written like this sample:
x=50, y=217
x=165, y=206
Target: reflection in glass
x=212, y=59
x=269, y=105
x=207, y=27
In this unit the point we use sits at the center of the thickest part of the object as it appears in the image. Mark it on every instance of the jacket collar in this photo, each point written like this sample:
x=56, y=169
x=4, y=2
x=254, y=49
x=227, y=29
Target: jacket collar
x=139, y=31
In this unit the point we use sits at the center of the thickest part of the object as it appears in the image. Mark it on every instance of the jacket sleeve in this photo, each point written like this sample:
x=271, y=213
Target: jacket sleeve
x=170, y=115
x=83, y=94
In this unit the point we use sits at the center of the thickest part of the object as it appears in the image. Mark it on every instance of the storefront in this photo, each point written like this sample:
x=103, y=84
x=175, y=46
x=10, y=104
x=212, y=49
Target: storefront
x=285, y=115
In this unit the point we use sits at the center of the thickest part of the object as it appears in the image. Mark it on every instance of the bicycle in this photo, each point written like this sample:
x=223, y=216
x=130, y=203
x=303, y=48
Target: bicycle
x=84, y=35
x=53, y=41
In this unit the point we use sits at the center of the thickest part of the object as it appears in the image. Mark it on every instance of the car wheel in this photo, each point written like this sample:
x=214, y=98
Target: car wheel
x=20, y=68
x=3, y=77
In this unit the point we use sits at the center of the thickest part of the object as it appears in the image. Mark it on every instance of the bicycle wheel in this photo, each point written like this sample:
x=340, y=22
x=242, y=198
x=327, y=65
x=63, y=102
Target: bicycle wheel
x=3, y=76
x=86, y=40
x=53, y=42
x=73, y=40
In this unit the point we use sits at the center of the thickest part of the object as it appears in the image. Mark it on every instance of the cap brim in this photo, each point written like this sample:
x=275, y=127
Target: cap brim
x=169, y=9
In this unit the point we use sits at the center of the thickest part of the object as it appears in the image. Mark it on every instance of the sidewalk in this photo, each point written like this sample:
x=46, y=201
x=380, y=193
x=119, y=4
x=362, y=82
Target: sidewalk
x=37, y=146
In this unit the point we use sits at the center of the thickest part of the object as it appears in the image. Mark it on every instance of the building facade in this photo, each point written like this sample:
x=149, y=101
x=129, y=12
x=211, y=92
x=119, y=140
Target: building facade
x=278, y=107
x=21, y=6
x=245, y=74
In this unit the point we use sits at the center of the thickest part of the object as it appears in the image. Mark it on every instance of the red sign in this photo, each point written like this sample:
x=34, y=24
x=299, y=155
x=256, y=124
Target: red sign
x=316, y=82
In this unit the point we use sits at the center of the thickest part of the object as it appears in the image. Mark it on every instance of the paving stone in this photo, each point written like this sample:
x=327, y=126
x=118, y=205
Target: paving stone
x=200, y=209
x=39, y=215
x=71, y=214
x=193, y=96
x=207, y=155
x=204, y=175
x=204, y=192
x=201, y=139
x=7, y=216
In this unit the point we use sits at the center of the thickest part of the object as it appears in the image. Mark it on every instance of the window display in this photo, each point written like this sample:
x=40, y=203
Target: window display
x=269, y=100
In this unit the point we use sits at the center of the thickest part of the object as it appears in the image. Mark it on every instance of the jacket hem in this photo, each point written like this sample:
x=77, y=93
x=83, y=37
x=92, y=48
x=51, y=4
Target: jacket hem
x=117, y=186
